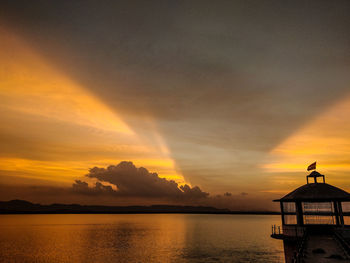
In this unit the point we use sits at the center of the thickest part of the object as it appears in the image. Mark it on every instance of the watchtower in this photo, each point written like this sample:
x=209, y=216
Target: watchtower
x=315, y=205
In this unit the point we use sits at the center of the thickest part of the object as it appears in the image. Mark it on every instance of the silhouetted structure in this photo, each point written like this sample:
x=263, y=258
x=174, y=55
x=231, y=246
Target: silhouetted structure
x=313, y=209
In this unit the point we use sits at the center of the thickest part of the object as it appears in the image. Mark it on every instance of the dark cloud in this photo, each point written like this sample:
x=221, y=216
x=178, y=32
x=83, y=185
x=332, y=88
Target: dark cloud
x=125, y=177
x=83, y=187
x=126, y=184
x=193, y=193
x=136, y=182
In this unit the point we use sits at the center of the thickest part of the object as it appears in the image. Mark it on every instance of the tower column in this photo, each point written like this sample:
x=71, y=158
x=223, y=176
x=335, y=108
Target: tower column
x=282, y=213
x=299, y=210
x=340, y=211
x=336, y=212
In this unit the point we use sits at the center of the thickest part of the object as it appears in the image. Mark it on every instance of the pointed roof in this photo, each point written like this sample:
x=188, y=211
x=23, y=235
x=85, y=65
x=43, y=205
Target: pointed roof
x=316, y=192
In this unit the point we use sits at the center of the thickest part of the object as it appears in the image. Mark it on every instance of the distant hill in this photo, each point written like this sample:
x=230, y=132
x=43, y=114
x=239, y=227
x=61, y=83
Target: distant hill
x=25, y=207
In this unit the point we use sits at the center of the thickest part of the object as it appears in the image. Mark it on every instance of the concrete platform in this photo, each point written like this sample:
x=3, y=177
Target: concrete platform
x=324, y=248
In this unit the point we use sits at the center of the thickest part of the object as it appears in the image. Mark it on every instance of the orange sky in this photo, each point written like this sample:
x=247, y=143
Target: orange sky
x=58, y=129
x=325, y=139
x=230, y=99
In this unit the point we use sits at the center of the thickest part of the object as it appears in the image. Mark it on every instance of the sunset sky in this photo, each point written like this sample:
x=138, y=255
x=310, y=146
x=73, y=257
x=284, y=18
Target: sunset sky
x=231, y=100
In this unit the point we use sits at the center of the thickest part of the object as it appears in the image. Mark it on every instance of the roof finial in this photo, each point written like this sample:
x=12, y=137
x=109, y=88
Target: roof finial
x=314, y=175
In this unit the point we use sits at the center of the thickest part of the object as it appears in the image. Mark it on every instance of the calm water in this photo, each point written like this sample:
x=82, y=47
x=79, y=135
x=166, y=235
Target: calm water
x=138, y=238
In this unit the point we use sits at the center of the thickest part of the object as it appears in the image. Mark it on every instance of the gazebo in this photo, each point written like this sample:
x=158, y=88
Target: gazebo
x=315, y=205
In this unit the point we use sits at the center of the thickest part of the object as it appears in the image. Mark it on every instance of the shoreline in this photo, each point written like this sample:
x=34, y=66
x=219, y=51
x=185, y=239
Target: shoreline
x=25, y=207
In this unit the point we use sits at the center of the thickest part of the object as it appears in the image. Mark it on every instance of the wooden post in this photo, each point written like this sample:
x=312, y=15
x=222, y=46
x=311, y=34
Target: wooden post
x=282, y=213
x=300, y=219
x=336, y=213
x=340, y=211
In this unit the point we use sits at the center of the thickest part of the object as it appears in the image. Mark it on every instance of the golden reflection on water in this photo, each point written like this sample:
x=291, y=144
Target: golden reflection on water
x=138, y=238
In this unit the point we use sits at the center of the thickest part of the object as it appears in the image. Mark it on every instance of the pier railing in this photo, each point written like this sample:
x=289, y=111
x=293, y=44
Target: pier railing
x=287, y=232
x=276, y=230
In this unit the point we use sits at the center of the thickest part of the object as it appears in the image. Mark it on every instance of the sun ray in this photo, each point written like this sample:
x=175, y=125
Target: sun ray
x=325, y=140
x=33, y=89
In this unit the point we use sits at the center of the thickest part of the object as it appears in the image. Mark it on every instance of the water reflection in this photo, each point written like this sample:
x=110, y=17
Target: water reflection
x=138, y=238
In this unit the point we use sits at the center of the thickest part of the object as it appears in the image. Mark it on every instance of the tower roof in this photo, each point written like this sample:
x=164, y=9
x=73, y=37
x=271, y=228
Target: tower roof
x=316, y=192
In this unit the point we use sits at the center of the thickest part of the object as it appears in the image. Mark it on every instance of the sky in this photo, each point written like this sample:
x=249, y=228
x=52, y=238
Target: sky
x=220, y=103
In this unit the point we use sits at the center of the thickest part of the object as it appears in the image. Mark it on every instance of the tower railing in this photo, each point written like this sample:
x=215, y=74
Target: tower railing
x=276, y=230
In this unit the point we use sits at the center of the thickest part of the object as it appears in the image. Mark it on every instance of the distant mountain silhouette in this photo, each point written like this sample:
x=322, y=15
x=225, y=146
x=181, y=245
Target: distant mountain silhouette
x=25, y=207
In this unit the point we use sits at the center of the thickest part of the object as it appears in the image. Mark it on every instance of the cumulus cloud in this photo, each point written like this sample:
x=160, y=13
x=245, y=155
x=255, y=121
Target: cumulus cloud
x=135, y=182
x=193, y=193
x=126, y=184
x=83, y=187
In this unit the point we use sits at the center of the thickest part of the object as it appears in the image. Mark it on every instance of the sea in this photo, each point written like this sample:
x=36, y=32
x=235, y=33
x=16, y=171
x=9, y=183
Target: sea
x=178, y=238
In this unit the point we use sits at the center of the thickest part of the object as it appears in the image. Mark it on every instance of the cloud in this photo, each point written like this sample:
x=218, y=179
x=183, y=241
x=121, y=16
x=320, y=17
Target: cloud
x=83, y=187
x=135, y=182
x=125, y=184
x=193, y=193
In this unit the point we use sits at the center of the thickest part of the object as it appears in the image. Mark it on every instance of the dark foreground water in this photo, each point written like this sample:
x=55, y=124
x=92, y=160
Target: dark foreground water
x=139, y=238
